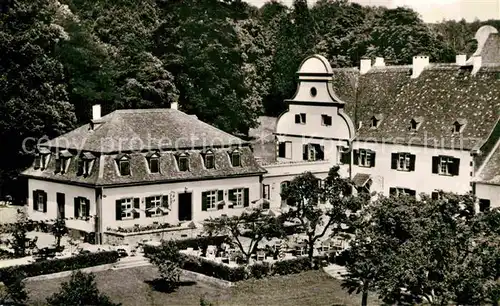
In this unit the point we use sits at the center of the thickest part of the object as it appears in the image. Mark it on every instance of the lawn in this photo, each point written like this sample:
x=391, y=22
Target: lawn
x=130, y=287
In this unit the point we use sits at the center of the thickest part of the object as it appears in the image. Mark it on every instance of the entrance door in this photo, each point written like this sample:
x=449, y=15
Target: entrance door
x=61, y=201
x=185, y=207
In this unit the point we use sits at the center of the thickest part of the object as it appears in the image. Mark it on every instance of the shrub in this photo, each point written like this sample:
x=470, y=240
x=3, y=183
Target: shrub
x=341, y=259
x=213, y=269
x=195, y=243
x=59, y=265
x=260, y=270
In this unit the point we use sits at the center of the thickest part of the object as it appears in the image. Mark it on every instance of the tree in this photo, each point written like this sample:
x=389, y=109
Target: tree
x=34, y=101
x=19, y=240
x=59, y=229
x=434, y=251
x=254, y=225
x=304, y=194
x=167, y=259
x=80, y=290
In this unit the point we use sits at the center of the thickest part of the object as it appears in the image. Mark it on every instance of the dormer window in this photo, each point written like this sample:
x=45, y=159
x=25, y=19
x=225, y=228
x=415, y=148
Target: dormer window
x=183, y=162
x=62, y=161
x=153, y=159
x=375, y=121
x=300, y=118
x=458, y=126
x=235, y=158
x=42, y=159
x=85, y=163
x=123, y=161
x=415, y=123
x=209, y=159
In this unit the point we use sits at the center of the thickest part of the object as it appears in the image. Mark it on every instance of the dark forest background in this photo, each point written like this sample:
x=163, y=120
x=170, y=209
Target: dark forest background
x=223, y=60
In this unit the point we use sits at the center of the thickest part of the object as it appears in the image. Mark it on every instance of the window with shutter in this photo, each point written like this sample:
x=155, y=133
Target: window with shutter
x=127, y=208
x=345, y=157
x=210, y=199
x=237, y=197
x=435, y=164
x=365, y=158
x=153, y=203
x=445, y=165
x=305, y=155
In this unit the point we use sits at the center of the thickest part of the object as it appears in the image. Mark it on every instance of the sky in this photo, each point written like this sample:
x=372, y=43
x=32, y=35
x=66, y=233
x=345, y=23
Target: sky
x=433, y=10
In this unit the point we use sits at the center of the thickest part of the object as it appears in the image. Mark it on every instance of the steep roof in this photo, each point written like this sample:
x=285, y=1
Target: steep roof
x=442, y=94
x=490, y=173
x=144, y=129
x=105, y=169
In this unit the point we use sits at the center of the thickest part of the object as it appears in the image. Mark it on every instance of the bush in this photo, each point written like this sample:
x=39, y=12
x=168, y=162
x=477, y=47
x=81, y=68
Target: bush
x=59, y=265
x=341, y=259
x=260, y=270
x=213, y=269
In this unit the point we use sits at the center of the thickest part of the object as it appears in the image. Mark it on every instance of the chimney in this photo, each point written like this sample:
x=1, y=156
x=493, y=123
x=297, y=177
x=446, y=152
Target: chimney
x=477, y=61
x=461, y=59
x=174, y=105
x=379, y=62
x=419, y=64
x=96, y=112
x=365, y=65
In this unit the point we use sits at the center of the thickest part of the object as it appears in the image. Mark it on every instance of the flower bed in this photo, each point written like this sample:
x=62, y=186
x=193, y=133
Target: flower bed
x=141, y=228
x=60, y=265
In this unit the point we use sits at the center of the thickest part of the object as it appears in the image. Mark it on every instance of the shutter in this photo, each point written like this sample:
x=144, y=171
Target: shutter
x=87, y=208
x=35, y=200
x=356, y=157
x=412, y=162
x=44, y=201
x=137, y=205
x=456, y=166
x=321, y=153
x=148, y=206
x=204, y=201
x=231, y=197
x=345, y=158
x=435, y=164
x=118, y=209
x=372, y=159
x=164, y=203
x=77, y=207
x=282, y=149
x=392, y=191
x=297, y=118
x=220, y=197
x=394, y=160
x=246, y=200
x=303, y=118
x=304, y=152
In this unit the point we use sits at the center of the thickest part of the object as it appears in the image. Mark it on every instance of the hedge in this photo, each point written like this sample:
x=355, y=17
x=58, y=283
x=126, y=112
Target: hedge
x=59, y=265
x=257, y=270
x=195, y=243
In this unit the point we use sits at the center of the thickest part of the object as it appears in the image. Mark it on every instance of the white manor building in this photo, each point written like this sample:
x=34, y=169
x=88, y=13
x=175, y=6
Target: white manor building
x=392, y=129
